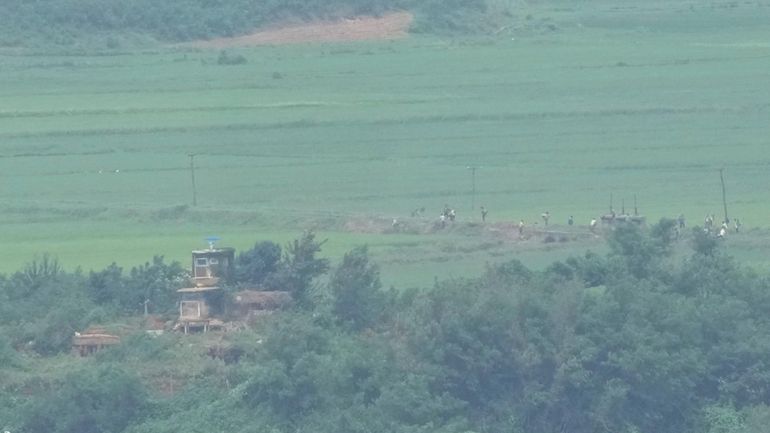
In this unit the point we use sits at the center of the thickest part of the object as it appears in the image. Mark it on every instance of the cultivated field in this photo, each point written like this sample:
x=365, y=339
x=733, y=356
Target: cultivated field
x=343, y=138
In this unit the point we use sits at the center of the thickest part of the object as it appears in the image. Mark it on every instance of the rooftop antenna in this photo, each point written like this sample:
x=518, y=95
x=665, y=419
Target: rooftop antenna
x=211, y=240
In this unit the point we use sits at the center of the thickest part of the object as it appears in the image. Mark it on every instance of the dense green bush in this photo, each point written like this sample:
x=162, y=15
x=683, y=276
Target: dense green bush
x=632, y=341
x=255, y=266
x=355, y=286
x=102, y=400
x=154, y=283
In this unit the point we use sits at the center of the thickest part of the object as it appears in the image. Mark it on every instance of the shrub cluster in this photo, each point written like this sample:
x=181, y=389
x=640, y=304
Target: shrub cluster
x=633, y=341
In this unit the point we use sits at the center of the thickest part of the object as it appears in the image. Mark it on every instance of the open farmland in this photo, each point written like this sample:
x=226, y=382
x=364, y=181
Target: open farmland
x=93, y=148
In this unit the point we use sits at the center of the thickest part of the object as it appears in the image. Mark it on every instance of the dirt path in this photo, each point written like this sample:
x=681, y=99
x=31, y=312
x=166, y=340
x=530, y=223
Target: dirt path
x=391, y=26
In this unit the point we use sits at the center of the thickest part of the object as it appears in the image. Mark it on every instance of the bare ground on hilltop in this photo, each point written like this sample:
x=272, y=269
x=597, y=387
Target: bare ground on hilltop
x=506, y=231
x=389, y=26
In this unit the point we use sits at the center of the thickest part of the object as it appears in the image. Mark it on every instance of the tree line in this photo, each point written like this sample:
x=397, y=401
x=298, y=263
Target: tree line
x=634, y=341
x=64, y=21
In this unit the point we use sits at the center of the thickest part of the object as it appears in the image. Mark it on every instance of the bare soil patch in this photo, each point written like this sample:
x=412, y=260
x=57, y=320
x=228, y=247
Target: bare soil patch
x=390, y=26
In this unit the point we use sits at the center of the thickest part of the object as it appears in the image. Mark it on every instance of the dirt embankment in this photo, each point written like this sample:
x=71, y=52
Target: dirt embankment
x=390, y=26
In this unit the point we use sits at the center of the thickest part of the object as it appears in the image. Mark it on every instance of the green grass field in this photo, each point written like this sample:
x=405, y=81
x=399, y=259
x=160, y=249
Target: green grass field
x=647, y=100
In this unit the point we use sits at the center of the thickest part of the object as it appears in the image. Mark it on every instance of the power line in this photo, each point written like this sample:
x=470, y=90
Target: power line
x=192, y=176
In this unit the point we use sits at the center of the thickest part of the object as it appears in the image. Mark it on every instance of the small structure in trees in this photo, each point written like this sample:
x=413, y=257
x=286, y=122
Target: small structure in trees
x=199, y=304
x=249, y=303
x=202, y=306
x=623, y=217
x=213, y=265
x=198, y=307
x=92, y=340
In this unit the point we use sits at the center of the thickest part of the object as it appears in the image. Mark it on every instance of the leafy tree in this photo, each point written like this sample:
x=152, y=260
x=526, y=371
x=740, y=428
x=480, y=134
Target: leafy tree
x=509, y=273
x=355, y=285
x=52, y=333
x=641, y=251
x=299, y=267
x=664, y=234
x=591, y=268
x=258, y=264
x=629, y=342
x=8, y=356
x=468, y=333
x=720, y=419
x=154, y=282
x=304, y=367
x=757, y=418
x=100, y=400
x=703, y=242
x=40, y=271
x=107, y=286
x=44, y=306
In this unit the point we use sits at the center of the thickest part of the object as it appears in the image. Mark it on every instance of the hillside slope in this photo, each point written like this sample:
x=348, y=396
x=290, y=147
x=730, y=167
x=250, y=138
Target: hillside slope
x=69, y=22
x=393, y=25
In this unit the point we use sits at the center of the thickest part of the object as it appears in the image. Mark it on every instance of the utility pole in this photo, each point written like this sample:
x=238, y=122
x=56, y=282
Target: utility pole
x=192, y=176
x=636, y=210
x=473, y=168
x=724, y=195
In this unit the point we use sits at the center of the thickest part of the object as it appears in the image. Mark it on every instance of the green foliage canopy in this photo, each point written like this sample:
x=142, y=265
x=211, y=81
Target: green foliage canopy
x=630, y=342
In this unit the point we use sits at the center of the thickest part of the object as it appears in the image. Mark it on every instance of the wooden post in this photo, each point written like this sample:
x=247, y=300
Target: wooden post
x=724, y=195
x=636, y=211
x=473, y=168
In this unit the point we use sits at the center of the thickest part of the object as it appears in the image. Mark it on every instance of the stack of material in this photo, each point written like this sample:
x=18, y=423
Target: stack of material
x=92, y=340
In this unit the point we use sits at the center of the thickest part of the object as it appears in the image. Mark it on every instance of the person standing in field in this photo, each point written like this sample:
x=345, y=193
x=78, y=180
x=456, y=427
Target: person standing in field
x=521, y=228
x=592, y=225
x=546, y=216
x=680, y=220
x=570, y=220
x=483, y=214
x=737, y=225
